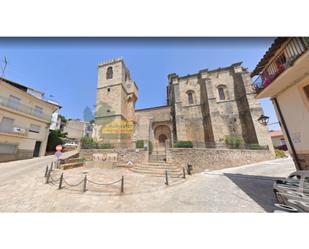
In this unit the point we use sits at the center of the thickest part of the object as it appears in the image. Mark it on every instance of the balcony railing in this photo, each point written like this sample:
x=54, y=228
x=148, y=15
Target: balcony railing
x=14, y=130
x=281, y=62
x=24, y=108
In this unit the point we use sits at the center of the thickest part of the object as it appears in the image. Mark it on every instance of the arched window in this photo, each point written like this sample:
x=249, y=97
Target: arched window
x=221, y=93
x=109, y=73
x=190, y=97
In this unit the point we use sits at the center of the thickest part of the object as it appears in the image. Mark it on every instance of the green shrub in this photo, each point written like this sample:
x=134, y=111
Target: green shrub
x=233, y=141
x=105, y=146
x=183, y=144
x=279, y=153
x=140, y=144
x=88, y=143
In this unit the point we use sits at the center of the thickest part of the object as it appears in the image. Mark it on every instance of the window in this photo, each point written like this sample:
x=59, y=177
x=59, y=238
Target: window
x=6, y=124
x=190, y=97
x=8, y=148
x=34, y=128
x=38, y=111
x=14, y=102
x=109, y=73
x=221, y=93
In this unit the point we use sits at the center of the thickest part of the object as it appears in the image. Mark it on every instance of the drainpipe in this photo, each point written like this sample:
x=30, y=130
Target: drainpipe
x=275, y=101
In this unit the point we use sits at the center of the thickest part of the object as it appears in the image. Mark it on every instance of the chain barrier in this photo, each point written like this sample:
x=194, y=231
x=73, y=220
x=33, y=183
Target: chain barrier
x=176, y=176
x=180, y=175
x=104, y=184
x=53, y=180
x=73, y=185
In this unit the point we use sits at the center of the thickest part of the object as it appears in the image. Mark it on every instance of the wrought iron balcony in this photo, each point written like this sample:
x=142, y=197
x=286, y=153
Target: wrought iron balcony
x=27, y=109
x=285, y=59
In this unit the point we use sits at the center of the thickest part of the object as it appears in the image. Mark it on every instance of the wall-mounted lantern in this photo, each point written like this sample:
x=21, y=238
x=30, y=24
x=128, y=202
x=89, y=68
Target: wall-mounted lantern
x=263, y=120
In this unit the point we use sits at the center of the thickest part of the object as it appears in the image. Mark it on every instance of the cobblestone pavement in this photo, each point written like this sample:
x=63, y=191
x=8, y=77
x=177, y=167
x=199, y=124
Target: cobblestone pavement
x=241, y=189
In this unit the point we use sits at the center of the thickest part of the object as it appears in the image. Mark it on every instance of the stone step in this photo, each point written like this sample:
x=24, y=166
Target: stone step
x=142, y=169
x=157, y=166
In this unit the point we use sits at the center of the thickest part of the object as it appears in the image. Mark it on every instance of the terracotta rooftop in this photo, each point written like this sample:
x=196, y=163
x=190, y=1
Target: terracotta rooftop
x=276, y=133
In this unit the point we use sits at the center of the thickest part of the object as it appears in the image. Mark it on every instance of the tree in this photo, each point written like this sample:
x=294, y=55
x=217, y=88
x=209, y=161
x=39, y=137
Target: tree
x=55, y=138
x=63, y=121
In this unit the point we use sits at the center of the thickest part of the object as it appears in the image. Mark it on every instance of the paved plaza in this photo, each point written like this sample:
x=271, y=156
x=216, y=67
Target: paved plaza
x=241, y=189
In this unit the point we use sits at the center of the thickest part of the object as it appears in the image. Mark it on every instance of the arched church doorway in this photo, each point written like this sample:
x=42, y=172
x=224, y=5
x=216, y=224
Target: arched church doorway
x=162, y=140
x=162, y=135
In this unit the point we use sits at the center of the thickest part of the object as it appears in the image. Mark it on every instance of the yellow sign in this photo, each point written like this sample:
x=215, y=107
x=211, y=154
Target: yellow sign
x=118, y=127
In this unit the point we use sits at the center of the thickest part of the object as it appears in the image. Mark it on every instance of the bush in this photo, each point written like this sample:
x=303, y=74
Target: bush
x=233, y=141
x=88, y=143
x=279, y=153
x=254, y=146
x=105, y=146
x=183, y=144
x=140, y=144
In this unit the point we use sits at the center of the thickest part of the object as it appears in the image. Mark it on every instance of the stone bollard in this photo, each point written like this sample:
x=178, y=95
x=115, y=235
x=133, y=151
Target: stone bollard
x=85, y=184
x=60, y=182
x=122, y=184
x=166, y=178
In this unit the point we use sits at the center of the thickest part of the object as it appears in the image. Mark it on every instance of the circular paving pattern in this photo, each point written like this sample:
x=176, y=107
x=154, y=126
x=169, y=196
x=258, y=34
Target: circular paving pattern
x=105, y=179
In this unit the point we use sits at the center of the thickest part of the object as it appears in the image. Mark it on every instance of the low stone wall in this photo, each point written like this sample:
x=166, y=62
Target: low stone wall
x=214, y=159
x=123, y=155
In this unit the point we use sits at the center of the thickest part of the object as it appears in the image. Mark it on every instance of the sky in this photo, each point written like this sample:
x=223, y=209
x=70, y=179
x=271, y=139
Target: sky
x=65, y=69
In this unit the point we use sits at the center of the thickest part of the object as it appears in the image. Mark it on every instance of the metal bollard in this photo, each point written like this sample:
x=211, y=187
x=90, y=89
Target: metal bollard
x=122, y=185
x=60, y=182
x=85, y=184
x=184, y=172
x=189, y=168
x=46, y=171
x=166, y=178
x=47, y=177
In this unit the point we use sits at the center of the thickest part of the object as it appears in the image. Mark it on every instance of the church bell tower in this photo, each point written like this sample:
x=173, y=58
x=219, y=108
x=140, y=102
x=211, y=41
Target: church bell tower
x=115, y=104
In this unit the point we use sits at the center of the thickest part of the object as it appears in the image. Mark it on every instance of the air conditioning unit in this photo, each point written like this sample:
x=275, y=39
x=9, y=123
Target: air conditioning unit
x=19, y=130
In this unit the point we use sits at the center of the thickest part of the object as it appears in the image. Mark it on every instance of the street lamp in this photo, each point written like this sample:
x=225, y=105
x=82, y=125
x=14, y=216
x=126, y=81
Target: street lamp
x=263, y=120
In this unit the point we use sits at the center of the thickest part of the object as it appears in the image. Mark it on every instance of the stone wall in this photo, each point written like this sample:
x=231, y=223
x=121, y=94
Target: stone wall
x=213, y=159
x=123, y=155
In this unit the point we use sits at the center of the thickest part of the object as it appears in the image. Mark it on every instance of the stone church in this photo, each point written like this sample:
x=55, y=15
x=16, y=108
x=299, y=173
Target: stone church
x=204, y=108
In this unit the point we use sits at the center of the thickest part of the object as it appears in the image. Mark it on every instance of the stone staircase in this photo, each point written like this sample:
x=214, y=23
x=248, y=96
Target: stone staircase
x=158, y=169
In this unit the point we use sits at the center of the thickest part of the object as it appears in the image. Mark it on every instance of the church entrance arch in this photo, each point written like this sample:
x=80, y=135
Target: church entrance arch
x=162, y=135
